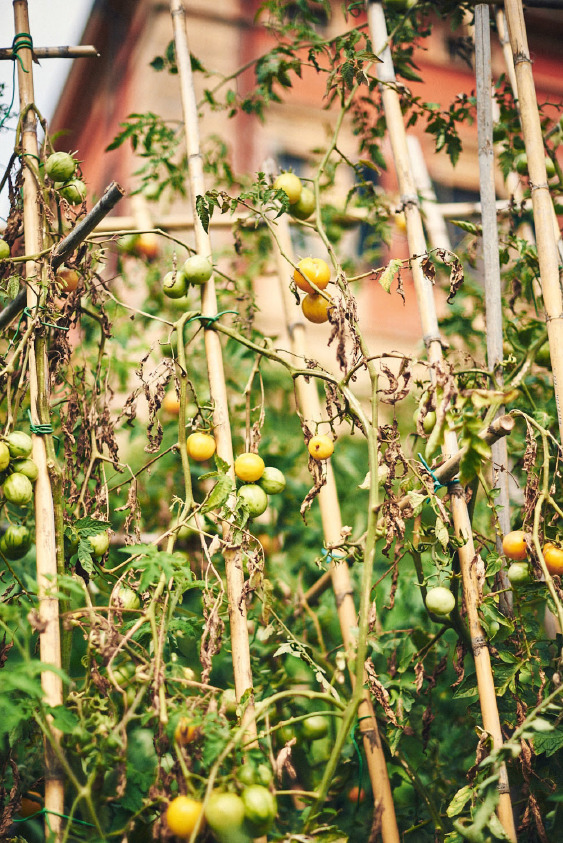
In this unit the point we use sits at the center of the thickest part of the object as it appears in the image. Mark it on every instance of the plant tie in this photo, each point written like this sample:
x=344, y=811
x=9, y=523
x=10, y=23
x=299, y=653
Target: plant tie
x=45, y=812
x=207, y=321
x=22, y=41
x=437, y=483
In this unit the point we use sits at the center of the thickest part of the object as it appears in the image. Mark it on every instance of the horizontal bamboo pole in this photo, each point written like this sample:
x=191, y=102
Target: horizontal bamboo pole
x=83, y=51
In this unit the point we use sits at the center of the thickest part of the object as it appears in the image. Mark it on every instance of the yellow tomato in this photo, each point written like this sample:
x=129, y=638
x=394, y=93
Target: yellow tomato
x=182, y=815
x=321, y=447
x=249, y=467
x=171, y=403
x=185, y=731
x=316, y=308
x=312, y=269
x=200, y=446
x=290, y=184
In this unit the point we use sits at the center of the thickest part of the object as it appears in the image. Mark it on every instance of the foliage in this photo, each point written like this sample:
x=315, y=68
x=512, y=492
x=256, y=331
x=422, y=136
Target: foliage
x=146, y=627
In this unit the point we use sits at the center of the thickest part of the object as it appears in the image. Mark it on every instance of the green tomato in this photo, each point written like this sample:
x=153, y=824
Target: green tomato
x=254, y=499
x=198, y=269
x=229, y=702
x=518, y=573
x=521, y=164
x=18, y=489
x=174, y=284
x=4, y=456
x=315, y=727
x=440, y=601
x=19, y=444
x=128, y=243
x=4, y=250
x=224, y=812
x=74, y=191
x=400, y=5
x=15, y=542
x=272, y=480
x=27, y=467
x=99, y=544
x=428, y=422
x=60, y=166
x=305, y=205
x=260, y=809
x=127, y=598
x=543, y=356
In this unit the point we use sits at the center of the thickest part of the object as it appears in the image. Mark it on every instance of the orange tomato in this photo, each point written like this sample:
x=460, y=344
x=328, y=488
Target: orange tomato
x=553, y=556
x=315, y=308
x=171, y=403
x=68, y=279
x=514, y=545
x=185, y=731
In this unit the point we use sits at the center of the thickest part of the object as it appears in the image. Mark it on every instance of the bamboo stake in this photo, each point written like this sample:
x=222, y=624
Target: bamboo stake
x=541, y=200
x=49, y=636
x=233, y=562
x=427, y=309
x=310, y=406
x=513, y=181
x=493, y=299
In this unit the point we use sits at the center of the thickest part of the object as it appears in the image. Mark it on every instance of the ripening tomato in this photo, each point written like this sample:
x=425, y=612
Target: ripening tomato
x=224, y=812
x=18, y=489
x=4, y=250
x=19, y=444
x=291, y=186
x=249, y=467
x=314, y=727
x=200, y=446
x=553, y=556
x=316, y=308
x=28, y=467
x=175, y=284
x=321, y=446
x=171, y=403
x=314, y=270
x=15, y=542
x=514, y=545
x=74, y=191
x=68, y=279
x=182, y=815
x=260, y=808
x=185, y=731
x=4, y=456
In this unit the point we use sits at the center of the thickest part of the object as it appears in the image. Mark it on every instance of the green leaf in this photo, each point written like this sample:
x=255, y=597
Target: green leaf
x=389, y=273
x=203, y=212
x=85, y=556
x=442, y=533
x=13, y=286
x=90, y=526
x=64, y=719
x=548, y=742
x=459, y=801
x=218, y=495
x=470, y=227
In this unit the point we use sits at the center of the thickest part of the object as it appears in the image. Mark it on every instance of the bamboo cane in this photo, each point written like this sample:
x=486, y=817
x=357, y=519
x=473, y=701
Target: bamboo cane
x=310, y=406
x=493, y=299
x=49, y=636
x=513, y=181
x=427, y=309
x=541, y=200
x=233, y=562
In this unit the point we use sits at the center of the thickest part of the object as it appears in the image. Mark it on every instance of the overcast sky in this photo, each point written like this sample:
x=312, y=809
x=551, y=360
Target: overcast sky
x=52, y=23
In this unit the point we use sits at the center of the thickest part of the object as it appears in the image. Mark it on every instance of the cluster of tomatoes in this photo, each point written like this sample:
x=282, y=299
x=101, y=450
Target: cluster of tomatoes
x=515, y=547
x=18, y=473
x=311, y=275
x=197, y=269
x=61, y=169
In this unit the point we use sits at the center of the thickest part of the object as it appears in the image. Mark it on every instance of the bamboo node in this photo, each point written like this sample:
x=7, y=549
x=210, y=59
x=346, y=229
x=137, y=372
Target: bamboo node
x=293, y=325
x=543, y=186
x=549, y=318
x=430, y=338
x=503, y=787
x=341, y=597
x=408, y=199
x=522, y=58
x=477, y=643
